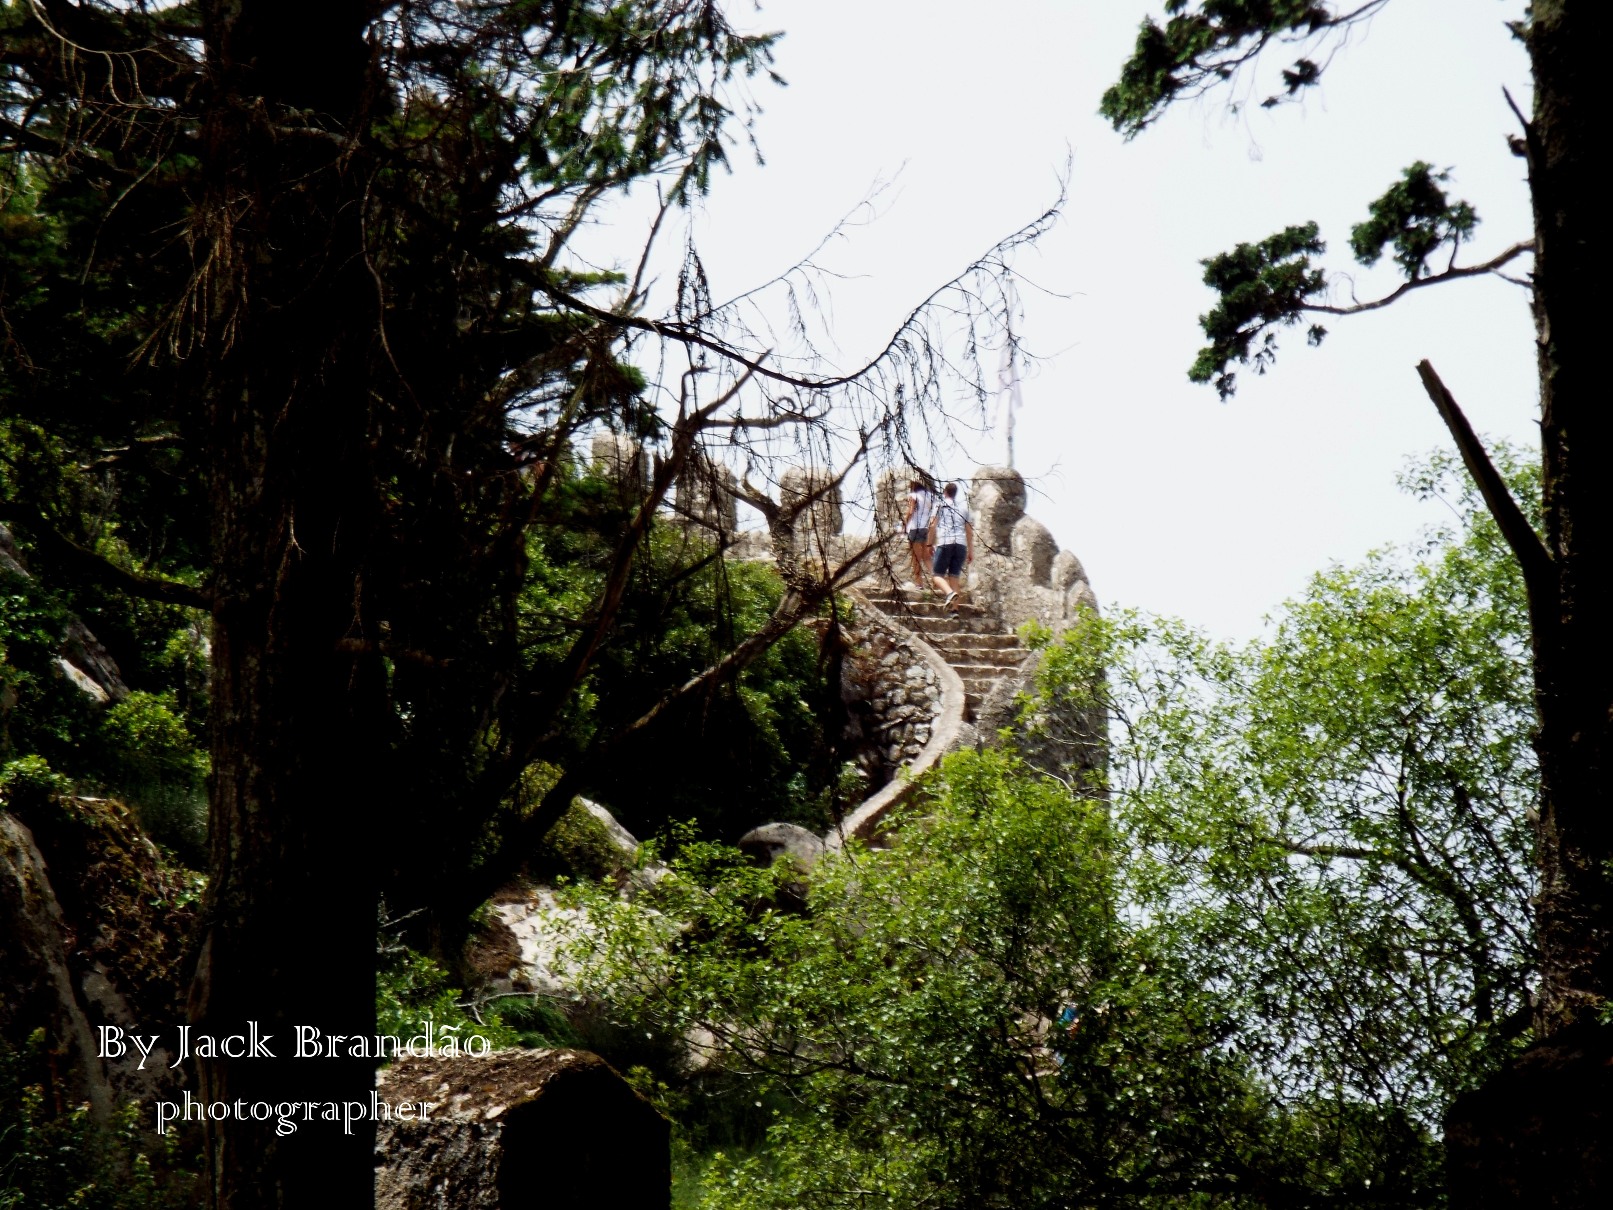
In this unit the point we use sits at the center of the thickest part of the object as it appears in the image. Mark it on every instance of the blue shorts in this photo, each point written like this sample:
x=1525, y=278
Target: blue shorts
x=949, y=559
x=919, y=537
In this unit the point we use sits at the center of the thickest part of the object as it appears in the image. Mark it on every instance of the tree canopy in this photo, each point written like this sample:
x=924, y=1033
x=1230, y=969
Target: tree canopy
x=1250, y=961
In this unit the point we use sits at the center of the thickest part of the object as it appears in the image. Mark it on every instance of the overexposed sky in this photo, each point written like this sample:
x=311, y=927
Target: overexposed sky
x=1173, y=501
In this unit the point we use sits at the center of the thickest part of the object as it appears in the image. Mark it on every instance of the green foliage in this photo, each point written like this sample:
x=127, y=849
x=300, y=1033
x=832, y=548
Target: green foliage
x=1332, y=823
x=411, y=989
x=30, y=782
x=1261, y=287
x=1269, y=285
x=1200, y=46
x=65, y=1160
x=41, y=711
x=1252, y=959
x=577, y=846
x=767, y=738
x=967, y=1019
x=1417, y=218
x=142, y=749
x=152, y=758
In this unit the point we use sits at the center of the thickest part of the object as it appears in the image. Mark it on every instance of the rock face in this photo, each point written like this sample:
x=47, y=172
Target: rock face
x=37, y=991
x=84, y=662
x=92, y=927
x=546, y=1129
x=768, y=843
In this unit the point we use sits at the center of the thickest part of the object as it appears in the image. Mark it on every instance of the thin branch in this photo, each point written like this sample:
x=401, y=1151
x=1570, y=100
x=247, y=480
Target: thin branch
x=102, y=570
x=1533, y=557
x=1493, y=265
x=690, y=334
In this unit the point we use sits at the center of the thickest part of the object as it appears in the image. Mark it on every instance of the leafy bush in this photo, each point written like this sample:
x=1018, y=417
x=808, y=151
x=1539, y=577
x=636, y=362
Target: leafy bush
x=65, y=1160
x=964, y=1020
x=153, y=760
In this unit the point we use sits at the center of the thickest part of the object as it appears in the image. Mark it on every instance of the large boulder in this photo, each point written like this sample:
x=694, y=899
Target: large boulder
x=546, y=1129
x=88, y=898
x=37, y=992
x=766, y=844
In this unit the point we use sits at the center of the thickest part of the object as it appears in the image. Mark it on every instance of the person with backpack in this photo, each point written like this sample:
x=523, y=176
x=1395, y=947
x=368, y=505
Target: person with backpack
x=954, y=536
x=920, y=506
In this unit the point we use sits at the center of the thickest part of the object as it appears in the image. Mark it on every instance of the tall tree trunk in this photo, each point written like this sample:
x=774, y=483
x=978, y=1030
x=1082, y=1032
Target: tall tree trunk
x=296, y=715
x=1574, y=659
x=1540, y=1133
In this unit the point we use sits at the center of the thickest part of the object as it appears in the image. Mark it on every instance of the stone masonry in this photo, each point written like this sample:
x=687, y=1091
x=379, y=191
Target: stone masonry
x=900, y=674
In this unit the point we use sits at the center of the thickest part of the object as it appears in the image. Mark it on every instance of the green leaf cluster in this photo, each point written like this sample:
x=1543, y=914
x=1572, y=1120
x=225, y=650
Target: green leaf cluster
x=68, y=1161
x=1202, y=45
x=1334, y=821
x=1262, y=287
x=1415, y=216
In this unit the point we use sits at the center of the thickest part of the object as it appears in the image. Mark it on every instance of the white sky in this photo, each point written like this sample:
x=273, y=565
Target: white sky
x=1173, y=501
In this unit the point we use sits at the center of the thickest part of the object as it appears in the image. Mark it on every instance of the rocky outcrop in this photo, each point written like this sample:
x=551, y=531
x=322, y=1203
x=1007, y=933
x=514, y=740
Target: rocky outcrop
x=37, y=992
x=793, y=843
x=87, y=665
x=552, y=1128
x=90, y=898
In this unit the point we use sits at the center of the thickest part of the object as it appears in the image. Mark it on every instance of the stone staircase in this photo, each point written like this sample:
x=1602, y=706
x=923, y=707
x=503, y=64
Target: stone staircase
x=977, y=646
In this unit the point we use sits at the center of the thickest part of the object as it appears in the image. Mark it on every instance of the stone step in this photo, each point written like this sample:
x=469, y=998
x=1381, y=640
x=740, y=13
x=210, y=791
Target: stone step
x=957, y=649
x=938, y=627
x=933, y=609
x=995, y=641
x=990, y=672
x=907, y=592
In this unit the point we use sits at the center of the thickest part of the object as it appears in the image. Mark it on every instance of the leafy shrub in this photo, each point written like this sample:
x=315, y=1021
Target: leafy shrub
x=153, y=759
x=67, y=1161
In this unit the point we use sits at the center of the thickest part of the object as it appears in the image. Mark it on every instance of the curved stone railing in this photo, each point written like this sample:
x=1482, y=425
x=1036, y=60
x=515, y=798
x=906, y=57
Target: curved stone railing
x=944, y=729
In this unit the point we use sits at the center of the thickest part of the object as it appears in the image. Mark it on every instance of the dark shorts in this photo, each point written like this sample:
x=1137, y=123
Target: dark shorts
x=949, y=559
x=919, y=537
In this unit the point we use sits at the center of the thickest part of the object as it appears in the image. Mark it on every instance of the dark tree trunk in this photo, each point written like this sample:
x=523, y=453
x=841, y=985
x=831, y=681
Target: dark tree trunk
x=1537, y=1134
x=297, y=707
x=1574, y=657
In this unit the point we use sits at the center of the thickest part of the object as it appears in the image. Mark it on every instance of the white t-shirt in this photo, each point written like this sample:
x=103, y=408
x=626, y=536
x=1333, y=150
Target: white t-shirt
x=950, y=519
x=923, y=505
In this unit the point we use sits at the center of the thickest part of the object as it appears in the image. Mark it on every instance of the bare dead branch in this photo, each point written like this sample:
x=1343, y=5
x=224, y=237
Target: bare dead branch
x=1533, y=557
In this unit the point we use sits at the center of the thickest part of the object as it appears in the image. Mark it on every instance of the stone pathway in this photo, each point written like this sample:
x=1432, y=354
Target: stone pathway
x=977, y=646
